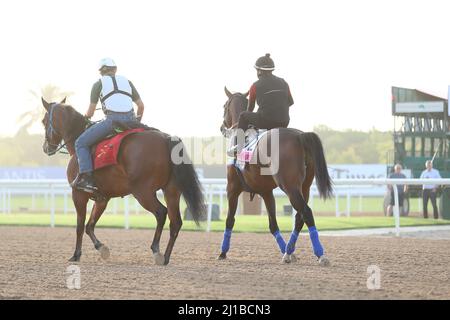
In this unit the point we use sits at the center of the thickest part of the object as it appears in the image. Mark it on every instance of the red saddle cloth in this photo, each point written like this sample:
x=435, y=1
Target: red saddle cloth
x=107, y=150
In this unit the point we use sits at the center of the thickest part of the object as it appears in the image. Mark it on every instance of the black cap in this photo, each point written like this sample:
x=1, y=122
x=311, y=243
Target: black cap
x=265, y=63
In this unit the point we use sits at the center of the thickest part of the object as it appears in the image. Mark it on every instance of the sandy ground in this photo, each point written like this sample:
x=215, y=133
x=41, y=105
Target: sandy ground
x=33, y=264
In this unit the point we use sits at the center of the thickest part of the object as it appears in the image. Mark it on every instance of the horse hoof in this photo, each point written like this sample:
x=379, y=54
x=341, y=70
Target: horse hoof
x=222, y=256
x=75, y=259
x=293, y=258
x=104, y=252
x=324, y=262
x=286, y=258
x=159, y=259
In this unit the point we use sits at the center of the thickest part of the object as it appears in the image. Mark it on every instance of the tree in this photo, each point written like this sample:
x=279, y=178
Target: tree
x=50, y=93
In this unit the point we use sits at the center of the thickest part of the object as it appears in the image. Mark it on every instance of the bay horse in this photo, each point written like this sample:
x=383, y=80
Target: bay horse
x=145, y=165
x=300, y=160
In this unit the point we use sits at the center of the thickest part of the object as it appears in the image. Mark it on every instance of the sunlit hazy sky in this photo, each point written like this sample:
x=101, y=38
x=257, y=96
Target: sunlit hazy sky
x=339, y=57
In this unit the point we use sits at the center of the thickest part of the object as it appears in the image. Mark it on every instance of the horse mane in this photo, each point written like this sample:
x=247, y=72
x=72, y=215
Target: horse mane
x=74, y=121
x=242, y=96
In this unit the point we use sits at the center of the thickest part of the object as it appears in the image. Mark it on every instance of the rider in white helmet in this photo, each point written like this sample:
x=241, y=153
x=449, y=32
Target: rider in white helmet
x=106, y=62
x=117, y=95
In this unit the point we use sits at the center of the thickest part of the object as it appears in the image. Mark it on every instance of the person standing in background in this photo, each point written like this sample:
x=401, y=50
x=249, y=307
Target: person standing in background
x=430, y=191
x=402, y=189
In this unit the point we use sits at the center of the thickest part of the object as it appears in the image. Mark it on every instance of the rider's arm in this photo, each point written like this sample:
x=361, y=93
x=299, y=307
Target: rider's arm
x=91, y=110
x=290, y=99
x=140, y=110
x=95, y=96
x=137, y=99
x=251, y=99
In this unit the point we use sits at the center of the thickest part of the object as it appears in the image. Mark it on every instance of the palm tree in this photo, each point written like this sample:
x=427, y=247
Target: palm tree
x=50, y=93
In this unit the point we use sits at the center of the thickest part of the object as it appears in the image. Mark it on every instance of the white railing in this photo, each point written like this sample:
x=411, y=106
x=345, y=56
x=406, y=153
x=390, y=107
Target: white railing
x=211, y=187
x=393, y=182
x=214, y=187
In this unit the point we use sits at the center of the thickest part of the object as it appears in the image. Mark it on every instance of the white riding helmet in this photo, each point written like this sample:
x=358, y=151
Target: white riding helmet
x=106, y=62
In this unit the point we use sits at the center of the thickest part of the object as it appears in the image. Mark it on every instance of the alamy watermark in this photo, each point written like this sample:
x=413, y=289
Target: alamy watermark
x=212, y=151
x=73, y=280
x=374, y=279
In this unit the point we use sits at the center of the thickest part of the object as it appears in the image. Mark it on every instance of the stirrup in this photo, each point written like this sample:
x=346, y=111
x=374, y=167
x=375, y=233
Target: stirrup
x=88, y=188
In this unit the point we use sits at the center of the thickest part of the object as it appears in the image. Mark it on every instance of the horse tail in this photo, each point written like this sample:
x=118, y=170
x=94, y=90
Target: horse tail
x=314, y=151
x=186, y=179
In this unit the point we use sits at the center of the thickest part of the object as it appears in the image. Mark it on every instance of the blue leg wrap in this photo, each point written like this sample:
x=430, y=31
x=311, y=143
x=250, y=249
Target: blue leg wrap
x=317, y=246
x=290, y=248
x=280, y=241
x=226, y=240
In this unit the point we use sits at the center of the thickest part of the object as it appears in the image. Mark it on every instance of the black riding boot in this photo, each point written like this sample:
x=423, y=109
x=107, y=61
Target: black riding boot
x=85, y=182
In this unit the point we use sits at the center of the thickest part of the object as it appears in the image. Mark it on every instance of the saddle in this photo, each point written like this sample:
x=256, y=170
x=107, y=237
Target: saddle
x=244, y=158
x=105, y=153
x=123, y=126
x=246, y=155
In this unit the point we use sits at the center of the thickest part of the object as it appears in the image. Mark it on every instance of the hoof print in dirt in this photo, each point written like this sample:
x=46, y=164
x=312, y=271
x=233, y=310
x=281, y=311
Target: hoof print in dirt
x=324, y=262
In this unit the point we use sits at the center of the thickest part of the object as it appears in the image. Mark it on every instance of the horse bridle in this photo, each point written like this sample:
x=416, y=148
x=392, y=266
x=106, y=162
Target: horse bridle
x=50, y=131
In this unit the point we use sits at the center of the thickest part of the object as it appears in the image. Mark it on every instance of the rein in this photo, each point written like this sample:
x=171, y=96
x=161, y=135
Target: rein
x=51, y=130
x=61, y=147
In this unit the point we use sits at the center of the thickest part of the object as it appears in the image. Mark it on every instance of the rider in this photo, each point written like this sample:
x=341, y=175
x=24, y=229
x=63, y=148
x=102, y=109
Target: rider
x=273, y=97
x=117, y=95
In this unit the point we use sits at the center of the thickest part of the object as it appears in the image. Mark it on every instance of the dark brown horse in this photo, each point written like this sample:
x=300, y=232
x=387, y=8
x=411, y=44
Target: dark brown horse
x=299, y=159
x=145, y=166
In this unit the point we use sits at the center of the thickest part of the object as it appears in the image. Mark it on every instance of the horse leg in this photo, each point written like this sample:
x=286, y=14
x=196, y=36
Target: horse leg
x=172, y=196
x=269, y=201
x=303, y=210
x=313, y=233
x=290, y=246
x=299, y=221
x=234, y=189
x=161, y=215
x=97, y=211
x=80, y=200
x=152, y=204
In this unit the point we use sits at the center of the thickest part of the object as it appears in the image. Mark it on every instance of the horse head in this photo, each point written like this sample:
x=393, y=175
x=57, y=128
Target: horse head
x=62, y=123
x=236, y=103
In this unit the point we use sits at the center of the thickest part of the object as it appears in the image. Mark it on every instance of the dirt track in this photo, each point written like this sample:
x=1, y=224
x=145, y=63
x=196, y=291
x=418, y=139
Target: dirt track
x=33, y=265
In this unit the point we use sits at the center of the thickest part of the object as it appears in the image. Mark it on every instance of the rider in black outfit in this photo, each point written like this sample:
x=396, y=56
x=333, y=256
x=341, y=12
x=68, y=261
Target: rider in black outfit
x=273, y=97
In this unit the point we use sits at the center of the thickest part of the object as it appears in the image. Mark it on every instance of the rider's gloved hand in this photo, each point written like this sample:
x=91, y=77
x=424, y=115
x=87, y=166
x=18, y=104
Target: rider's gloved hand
x=87, y=120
